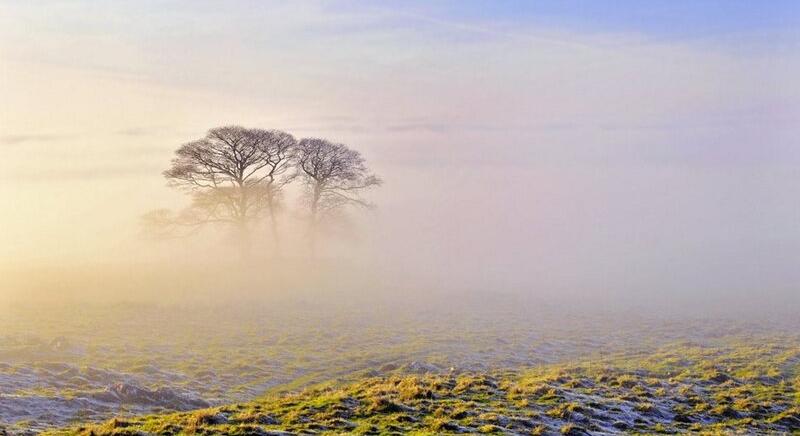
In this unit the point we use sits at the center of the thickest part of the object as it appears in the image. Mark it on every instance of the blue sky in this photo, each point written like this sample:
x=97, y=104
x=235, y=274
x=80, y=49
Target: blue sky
x=657, y=18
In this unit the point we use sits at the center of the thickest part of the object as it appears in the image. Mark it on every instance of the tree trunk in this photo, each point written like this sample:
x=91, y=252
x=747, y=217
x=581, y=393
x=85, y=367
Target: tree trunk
x=245, y=245
x=243, y=230
x=273, y=221
x=312, y=230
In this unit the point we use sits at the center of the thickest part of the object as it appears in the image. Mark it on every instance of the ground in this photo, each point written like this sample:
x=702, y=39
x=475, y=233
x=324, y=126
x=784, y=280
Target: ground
x=735, y=385
x=459, y=366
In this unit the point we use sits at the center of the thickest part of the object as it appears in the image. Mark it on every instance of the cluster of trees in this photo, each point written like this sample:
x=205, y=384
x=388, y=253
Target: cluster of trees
x=237, y=176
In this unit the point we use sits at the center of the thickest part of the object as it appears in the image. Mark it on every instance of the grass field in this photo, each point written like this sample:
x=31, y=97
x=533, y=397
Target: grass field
x=733, y=385
x=506, y=367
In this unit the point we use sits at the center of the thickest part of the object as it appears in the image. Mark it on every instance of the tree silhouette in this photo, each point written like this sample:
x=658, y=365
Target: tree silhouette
x=233, y=175
x=334, y=177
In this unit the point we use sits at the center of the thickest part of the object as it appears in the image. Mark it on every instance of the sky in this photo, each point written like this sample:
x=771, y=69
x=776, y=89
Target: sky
x=566, y=146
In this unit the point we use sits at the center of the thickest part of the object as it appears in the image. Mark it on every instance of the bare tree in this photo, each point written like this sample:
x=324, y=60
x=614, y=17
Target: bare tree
x=233, y=175
x=278, y=150
x=334, y=176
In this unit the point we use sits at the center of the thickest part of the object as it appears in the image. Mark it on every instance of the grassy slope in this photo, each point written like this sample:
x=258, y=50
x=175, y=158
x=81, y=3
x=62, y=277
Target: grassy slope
x=737, y=385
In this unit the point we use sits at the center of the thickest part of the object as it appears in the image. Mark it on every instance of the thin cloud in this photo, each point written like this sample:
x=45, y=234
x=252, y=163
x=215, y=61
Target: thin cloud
x=417, y=127
x=84, y=174
x=488, y=31
x=21, y=139
x=136, y=131
x=435, y=127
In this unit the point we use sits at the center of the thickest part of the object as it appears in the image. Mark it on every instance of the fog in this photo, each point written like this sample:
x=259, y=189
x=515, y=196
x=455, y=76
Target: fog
x=610, y=167
x=503, y=217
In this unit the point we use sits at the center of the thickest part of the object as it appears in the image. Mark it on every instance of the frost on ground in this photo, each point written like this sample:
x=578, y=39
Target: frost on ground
x=743, y=386
x=61, y=367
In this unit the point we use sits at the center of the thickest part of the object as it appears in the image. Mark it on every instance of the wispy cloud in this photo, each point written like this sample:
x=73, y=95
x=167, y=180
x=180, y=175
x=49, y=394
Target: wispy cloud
x=31, y=138
x=432, y=127
x=87, y=173
x=136, y=131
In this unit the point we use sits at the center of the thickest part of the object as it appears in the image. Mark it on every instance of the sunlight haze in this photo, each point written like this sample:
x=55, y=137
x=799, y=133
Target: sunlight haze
x=551, y=154
x=252, y=217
